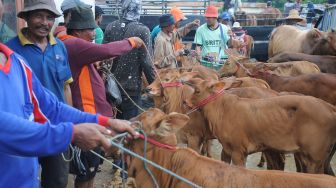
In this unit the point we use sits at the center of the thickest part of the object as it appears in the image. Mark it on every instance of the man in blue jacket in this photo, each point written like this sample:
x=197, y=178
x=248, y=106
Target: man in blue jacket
x=34, y=123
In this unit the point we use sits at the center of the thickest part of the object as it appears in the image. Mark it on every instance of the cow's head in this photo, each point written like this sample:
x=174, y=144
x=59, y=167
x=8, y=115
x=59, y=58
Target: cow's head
x=229, y=67
x=158, y=126
x=326, y=44
x=202, y=89
x=155, y=88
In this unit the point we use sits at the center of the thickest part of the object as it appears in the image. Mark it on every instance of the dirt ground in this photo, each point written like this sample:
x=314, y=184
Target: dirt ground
x=105, y=179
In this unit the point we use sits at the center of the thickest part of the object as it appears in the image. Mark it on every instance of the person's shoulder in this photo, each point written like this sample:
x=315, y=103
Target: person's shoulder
x=224, y=26
x=160, y=37
x=14, y=42
x=139, y=26
x=203, y=27
x=113, y=25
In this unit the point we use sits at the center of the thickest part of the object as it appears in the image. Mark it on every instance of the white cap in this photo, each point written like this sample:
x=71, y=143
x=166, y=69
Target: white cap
x=236, y=25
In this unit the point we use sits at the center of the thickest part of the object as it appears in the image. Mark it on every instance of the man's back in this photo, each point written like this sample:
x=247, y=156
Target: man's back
x=128, y=68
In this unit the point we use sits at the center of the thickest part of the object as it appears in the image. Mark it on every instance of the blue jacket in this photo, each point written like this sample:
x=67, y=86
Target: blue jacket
x=32, y=123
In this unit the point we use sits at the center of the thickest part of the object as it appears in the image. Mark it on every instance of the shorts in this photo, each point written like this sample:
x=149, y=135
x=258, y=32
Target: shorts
x=91, y=163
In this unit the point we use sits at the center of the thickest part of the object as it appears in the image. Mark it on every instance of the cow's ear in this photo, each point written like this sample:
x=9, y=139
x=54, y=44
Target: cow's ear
x=217, y=86
x=171, y=124
x=185, y=77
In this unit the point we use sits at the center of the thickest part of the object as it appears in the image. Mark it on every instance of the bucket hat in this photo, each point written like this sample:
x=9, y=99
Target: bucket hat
x=211, y=12
x=177, y=14
x=69, y=4
x=31, y=5
x=166, y=20
x=82, y=18
x=294, y=15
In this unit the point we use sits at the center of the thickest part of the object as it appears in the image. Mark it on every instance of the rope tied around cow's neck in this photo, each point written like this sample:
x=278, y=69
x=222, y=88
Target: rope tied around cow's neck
x=207, y=100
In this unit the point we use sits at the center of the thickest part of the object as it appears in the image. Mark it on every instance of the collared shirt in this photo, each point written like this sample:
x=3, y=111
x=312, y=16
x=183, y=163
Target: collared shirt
x=51, y=66
x=30, y=123
x=164, y=56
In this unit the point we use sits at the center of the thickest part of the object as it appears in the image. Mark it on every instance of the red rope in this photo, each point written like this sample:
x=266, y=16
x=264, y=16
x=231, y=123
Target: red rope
x=208, y=99
x=172, y=84
x=158, y=144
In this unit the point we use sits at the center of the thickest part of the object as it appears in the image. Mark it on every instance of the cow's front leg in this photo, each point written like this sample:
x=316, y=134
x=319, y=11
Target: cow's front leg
x=239, y=158
x=226, y=157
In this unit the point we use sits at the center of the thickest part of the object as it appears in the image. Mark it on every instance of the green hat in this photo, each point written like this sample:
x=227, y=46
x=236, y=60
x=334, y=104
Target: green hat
x=31, y=5
x=82, y=18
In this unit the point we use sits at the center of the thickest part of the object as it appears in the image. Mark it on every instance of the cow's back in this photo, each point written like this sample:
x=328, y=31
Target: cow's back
x=285, y=38
x=295, y=68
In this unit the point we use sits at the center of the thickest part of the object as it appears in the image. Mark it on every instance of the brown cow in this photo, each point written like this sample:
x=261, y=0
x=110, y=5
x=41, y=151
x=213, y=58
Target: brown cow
x=203, y=171
x=326, y=63
x=269, y=16
x=320, y=85
x=288, y=38
x=246, y=19
x=233, y=67
x=197, y=131
x=284, y=123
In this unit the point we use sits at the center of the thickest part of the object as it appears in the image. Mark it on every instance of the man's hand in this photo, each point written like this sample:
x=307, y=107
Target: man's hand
x=136, y=42
x=118, y=126
x=178, y=52
x=89, y=135
x=195, y=23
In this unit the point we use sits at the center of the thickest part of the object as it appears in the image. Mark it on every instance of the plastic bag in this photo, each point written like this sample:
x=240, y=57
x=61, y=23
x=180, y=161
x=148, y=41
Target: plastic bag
x=112, y=90
x=76, y=165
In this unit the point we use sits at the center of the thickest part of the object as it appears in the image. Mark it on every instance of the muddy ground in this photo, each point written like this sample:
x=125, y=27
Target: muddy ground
x=105, y=179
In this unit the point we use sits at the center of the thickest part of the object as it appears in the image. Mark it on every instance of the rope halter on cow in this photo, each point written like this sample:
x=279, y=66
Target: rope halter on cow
x=143, y=136
x=172, y=84
x=206, y=101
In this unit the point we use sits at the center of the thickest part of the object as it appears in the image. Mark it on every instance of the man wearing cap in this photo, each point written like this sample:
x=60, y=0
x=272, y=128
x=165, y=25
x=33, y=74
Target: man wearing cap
x=294, y=18
x=34, y=123
x=99, y=18
x=212, y=39
x=168, y=46
x=47, y=57
x=66, y=7
x=225, y=18
x=88, y=90
x=128, y=68
x=180, y=32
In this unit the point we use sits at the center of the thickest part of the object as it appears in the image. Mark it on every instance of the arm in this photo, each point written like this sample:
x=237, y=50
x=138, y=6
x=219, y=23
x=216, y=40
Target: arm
x=25, y=138
x=197, y=45
x=146, y=64
x=67, y=94
x=183, y=31
x=84, y=52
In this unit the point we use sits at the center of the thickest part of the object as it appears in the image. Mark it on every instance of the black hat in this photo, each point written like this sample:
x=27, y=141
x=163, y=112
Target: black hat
x=98, y=11
x=166, y=20
x=82, y=18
